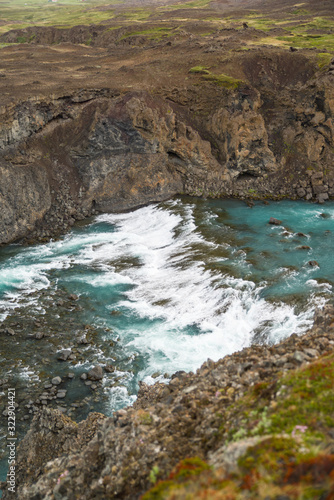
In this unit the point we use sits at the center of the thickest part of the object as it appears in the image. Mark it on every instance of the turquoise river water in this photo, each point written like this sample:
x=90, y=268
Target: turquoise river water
x=159, y=289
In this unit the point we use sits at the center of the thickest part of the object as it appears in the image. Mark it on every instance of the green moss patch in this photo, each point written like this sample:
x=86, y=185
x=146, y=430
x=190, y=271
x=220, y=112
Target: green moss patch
x=280, y=464
x=188, y=468
x=152, y=34
x=184, y=472
x=324, y=58
x=223, y=80
x=202, y=70
x=301, y=403
x=308, y=41
x=307, y=399
x=293, y=417
x=135, y=15
x=194, y=4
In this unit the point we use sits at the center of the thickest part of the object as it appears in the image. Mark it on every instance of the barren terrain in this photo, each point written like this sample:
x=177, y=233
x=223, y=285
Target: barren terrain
x=154, y=47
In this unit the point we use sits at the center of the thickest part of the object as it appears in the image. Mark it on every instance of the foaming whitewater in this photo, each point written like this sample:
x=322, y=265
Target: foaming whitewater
x=176, y=283
x=182, y=312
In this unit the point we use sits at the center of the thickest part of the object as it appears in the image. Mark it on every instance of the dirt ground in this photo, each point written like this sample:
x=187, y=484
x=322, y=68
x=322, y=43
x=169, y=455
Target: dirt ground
x=157, y=53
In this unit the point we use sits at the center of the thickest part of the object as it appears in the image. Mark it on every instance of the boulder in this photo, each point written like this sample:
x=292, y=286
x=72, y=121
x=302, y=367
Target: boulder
x=301, y=192
x=109, y=368
x=95, y=373
x=274, y=221
x=73, y=296
x=61, y=394
x=64, y=354
x=56, y=381
x=322, y=197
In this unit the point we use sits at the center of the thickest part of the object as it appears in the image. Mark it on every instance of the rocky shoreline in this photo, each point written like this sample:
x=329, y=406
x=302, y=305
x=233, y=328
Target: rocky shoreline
x=54, y=344
x=221, y=415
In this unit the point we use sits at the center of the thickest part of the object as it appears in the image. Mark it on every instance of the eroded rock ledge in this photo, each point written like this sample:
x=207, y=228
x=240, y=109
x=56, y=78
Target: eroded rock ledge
x=66, y=157
x=274, y=400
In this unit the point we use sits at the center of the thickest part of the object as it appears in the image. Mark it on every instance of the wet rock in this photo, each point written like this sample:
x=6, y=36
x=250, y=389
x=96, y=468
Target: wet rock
x=95, y=373
x=64, y=355
x=70, y=375
x=274, y=221
x=83, y=339
x=83, y=376
x=115, y=312
x=109, y=368
x=73, y=296
x=39, y=335
x=56, y=381
x=61, y=394
x=313, y=263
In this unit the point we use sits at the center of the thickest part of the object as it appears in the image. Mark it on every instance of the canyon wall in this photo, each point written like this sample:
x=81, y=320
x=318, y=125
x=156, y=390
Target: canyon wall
x=67, y=156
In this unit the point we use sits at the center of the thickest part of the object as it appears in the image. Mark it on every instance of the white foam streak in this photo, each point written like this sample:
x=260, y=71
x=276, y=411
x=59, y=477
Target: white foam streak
x=119, y=397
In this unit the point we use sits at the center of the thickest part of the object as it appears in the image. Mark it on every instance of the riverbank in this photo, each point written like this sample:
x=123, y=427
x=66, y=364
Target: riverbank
x=111, y=293
x=256, y=424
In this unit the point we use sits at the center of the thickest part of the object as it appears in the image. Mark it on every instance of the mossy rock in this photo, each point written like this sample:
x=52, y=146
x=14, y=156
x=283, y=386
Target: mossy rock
x=224, y=81
x=202, y=70
x=183, y=474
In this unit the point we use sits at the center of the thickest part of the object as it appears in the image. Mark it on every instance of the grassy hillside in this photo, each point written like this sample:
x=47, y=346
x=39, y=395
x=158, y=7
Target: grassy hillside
x=283, y=24
x=23, y=13
x=282, y=433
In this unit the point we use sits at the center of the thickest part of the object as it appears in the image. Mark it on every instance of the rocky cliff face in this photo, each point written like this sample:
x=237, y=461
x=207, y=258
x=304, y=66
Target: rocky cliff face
x=65, y=157
x=107, y=154
x=276, y=401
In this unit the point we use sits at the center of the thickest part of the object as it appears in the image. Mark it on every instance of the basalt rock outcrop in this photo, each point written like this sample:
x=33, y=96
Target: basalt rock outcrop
x=101, y=153
x=259, y=398
x=66, y=157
